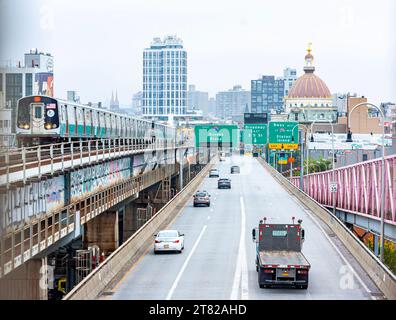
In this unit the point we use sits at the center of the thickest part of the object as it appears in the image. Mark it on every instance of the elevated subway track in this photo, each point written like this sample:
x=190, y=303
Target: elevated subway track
x=20, y=165
x=32, y=234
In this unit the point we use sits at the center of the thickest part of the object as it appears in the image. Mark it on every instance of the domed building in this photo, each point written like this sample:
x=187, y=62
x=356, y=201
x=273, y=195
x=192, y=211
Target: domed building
x=309, y=99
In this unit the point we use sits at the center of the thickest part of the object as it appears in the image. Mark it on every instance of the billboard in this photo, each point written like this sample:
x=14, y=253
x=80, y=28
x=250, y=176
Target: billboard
x=44, y=84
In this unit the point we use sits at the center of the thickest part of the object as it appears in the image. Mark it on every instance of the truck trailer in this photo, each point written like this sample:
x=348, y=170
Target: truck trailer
x=279, y=260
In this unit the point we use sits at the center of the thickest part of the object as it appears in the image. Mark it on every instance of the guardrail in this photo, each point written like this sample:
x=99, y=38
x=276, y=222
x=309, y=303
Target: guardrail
x=96, y=282
x=378, y=272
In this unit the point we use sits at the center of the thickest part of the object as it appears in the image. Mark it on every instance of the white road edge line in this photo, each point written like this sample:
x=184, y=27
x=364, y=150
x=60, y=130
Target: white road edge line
x=241, y=273
x=340, y=254
x=175, y=283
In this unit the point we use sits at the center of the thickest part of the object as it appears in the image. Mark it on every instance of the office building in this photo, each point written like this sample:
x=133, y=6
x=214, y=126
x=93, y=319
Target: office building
x=232, y=102
x=267, y=94
x=33, y=77
x=289, y=78
x=6, y=135
x=197, y=100
x=72, y=96
x=165, y=79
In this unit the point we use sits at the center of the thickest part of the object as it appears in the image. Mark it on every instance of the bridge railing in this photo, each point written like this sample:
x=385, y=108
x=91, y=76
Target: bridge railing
x=69, y=154
x=359, y=188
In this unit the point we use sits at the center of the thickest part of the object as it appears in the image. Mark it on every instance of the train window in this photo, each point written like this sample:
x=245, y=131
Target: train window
x=38, y=111
x=23, y=112
x=87, y=116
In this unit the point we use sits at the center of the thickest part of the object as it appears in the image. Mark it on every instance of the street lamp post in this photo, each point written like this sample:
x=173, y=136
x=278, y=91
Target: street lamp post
x=333, y=182
x=302, y=154
x=382, y=174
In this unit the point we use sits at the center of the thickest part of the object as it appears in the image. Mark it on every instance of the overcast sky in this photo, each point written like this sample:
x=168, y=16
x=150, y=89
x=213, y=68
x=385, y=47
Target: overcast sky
x=97, y=45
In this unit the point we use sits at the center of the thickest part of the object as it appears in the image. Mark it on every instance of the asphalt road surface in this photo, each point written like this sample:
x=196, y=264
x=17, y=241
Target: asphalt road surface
x=219, y=257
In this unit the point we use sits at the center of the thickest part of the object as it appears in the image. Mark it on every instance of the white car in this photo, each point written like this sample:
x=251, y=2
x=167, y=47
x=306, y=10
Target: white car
x=169, y=240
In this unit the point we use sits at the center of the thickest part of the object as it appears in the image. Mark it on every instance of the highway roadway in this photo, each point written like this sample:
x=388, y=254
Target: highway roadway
x=219, y=258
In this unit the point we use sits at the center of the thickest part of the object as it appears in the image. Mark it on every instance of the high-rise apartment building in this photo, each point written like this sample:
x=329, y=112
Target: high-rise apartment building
x=197, y=100
x=212, y=106
x=165, y=78
x=232, y=102
x=267, y=94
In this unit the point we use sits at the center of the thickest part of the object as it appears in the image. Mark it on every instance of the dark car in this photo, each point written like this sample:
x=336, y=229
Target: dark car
x=213, y=173
x=235, y=169
x=224, y=183
x=202, y=198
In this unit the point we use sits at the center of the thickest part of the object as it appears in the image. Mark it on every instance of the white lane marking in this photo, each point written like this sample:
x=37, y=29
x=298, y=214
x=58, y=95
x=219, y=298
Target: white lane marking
x=340, y=254
x=241, y=274
x=175, y=283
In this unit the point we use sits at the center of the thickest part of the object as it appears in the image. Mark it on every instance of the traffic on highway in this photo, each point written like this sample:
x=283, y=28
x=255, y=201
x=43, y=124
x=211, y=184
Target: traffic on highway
x=232, y=238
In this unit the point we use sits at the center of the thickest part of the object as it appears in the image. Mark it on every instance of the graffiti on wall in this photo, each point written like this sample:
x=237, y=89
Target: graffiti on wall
x=22, y=204
x=89, y=180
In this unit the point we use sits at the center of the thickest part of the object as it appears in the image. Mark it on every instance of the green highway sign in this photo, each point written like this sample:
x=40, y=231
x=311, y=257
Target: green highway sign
x=281, y=132
x=255, y=133
x=216, y=133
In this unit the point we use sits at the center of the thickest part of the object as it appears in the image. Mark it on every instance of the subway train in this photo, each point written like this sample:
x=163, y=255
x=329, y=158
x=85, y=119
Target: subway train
x=45, y=120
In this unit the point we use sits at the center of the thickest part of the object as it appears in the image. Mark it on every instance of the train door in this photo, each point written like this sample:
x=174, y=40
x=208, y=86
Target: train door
x=64, y=130
x=102, y=125
x=108, y=125
x=94, y=123
x=37, y=117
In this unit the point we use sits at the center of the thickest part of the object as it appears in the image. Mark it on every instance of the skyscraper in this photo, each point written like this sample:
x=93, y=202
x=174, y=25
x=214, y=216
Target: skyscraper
x=165, y=78
x=267, y=94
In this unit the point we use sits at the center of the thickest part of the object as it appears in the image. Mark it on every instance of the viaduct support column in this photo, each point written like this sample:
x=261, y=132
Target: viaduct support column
x=181, y=160
x=103, y=232
x=27, y=282
x=130, y=219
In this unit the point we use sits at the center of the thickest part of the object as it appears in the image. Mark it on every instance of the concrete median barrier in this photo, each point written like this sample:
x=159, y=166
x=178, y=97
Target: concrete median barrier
x=135, y=246
x=377, y=271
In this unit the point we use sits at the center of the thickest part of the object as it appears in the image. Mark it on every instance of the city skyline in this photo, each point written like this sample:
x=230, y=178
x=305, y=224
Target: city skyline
x=350, y=54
